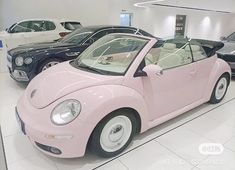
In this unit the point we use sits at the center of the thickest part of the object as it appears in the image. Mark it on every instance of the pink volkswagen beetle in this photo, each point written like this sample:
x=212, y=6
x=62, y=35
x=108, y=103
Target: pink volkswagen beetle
x=121, y=85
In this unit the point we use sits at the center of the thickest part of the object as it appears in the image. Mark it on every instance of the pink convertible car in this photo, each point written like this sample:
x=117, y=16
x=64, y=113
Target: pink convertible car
x=121, y=85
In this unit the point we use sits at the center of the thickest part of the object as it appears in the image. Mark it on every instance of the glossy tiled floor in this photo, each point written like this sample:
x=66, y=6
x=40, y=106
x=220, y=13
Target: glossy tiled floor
x=172, y=145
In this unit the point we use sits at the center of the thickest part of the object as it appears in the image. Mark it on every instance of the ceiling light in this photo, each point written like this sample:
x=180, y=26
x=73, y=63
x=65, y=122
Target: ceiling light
x=142, y=4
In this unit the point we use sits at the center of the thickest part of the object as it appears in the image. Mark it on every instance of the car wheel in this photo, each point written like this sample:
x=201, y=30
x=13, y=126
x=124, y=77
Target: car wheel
x=220, y=89
x=49, y=63
x=113, y=134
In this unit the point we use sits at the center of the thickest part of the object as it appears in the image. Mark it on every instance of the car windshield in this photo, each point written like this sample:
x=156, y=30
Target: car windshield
x=231, y=37
x=77, y=36
x=111, y=55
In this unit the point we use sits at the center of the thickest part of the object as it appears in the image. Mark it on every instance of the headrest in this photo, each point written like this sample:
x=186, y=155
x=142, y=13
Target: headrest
x=195, y=48
x=169, y=46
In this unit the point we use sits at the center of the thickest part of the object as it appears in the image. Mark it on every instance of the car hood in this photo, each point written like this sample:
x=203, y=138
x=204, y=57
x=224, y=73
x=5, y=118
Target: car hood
x=229, y=48
x=62, y=80
x=40, y=48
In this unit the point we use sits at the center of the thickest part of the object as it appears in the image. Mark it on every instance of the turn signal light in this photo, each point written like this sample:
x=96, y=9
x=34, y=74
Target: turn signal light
x=62, y=34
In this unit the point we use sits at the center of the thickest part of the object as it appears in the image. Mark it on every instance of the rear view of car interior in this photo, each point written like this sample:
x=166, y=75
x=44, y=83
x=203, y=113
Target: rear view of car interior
x=117, y=85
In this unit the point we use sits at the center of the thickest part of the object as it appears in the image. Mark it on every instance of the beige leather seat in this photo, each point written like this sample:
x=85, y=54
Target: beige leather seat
x=167, y=49
x=169, y=57
x=197, y=52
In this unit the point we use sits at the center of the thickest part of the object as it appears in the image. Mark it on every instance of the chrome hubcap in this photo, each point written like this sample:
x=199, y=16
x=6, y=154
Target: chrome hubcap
x=221, y=88
x=50, y=64
x=115, y=133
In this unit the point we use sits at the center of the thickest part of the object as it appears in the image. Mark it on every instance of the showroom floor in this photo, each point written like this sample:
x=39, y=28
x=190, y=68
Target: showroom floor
x=172, y=145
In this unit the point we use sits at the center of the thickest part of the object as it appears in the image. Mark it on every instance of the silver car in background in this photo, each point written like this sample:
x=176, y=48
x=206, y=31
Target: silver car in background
x=227, y=53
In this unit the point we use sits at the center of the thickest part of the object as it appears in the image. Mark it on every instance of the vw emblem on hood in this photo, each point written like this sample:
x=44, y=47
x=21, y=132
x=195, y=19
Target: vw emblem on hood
x=33, y=93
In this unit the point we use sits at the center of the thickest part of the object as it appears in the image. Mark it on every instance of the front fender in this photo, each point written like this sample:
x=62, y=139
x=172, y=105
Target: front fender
x=218, y=70
x=99, y=101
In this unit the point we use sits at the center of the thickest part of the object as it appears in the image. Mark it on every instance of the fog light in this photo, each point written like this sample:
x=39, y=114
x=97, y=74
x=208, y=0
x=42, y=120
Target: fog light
x=55, y=150
x=50, y=149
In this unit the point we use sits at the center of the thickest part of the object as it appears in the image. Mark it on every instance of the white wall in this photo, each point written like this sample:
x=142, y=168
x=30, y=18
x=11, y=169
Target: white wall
x=159, y=21
x=1, y=16
x=86, y=11
x=207, y=25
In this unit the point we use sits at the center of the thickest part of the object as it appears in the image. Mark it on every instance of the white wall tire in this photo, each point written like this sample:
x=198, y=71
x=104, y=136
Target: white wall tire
x=113, y=134
x=220, y=89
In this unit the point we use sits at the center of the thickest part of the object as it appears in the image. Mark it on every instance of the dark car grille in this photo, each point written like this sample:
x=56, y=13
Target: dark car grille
x=227, y=58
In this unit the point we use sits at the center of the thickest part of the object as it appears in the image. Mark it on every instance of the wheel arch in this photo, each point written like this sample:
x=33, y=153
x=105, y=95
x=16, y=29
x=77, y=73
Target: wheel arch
x=102, y=100
x=228, y=75
x=220, y=68
x=127, y=109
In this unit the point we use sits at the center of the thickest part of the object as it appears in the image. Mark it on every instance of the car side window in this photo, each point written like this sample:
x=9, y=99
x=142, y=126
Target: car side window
x=170, y=54
x=197, y=51
x=231, y=37
x=49, y=26
x=98, y=35
x=20, y=27
x=125, y=30
x=144, y=33
x=37, y=26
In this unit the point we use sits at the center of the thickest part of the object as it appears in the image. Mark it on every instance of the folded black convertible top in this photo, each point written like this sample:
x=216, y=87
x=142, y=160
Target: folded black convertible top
x=210, y=47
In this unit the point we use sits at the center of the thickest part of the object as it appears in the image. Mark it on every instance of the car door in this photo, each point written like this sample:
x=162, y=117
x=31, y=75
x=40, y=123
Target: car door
x=203, y=66
x=174, y=88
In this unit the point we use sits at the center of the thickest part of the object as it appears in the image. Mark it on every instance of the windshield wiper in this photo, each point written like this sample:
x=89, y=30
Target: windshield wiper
x=91, y=69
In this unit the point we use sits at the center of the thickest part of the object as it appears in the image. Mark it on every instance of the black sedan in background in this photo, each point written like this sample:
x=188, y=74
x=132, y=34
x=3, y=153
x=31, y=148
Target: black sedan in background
x=25, y=62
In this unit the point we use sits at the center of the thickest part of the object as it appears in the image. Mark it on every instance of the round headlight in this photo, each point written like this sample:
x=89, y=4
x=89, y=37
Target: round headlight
x=66, y=112
x=19, y=61
x=28, y=60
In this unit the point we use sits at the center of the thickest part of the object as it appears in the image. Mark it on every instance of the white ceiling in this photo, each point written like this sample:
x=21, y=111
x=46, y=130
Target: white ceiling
x=216, y=5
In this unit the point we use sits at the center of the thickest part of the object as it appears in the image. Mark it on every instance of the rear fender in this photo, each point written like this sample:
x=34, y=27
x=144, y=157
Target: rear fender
x=218, y=70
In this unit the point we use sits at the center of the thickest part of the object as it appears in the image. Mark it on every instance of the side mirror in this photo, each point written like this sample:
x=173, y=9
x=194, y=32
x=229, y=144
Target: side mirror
x=153, y=70
x=223, y=38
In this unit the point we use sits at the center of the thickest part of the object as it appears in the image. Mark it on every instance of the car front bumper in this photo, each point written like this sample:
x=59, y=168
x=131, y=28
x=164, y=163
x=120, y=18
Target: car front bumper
x=67, y=141
x=18, y=75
